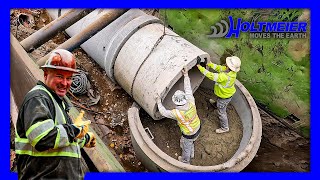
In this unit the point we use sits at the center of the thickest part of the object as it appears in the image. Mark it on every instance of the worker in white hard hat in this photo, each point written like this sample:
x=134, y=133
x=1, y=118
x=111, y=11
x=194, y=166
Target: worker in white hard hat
x=47, y=142
x=187, y=118
x=224, y=86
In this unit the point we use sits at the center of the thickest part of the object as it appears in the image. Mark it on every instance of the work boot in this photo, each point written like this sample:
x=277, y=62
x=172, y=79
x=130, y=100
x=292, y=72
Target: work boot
x=180, y=159
x=220, y=130
x=213, y=103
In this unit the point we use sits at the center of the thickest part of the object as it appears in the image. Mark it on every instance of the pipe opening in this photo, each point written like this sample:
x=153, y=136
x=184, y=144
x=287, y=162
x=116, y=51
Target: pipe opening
x=196, y=78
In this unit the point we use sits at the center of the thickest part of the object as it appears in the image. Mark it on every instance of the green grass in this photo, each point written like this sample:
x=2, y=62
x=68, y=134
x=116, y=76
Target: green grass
x=268, y=71
x=305, y=131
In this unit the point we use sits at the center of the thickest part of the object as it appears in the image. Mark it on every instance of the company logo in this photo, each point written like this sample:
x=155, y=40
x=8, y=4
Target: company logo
x=292, y=30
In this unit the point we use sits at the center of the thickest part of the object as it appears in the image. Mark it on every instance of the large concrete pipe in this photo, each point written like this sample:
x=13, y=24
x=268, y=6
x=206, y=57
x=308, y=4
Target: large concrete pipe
x=142, y=56
x=156, y=160
x=146, y=58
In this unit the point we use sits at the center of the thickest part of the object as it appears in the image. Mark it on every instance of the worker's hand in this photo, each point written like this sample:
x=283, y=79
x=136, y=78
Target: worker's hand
x=204, y=62
x=92, y=140
x=83, y=126
x=198, y=59
x=184, y=71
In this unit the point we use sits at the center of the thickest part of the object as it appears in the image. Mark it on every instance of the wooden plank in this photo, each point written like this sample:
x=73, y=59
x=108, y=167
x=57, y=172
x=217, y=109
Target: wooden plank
x=24, y=75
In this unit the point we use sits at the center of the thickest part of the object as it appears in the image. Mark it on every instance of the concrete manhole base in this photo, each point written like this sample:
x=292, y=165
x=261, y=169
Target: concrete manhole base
x=210, y=148
x=230, y=152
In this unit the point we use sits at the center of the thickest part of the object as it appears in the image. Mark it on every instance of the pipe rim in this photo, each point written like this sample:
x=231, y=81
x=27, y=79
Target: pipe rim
x=248, y=152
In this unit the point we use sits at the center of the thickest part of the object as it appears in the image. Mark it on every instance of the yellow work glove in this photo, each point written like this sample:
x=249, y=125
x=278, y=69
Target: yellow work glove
x=83, y=126
x=92, y=140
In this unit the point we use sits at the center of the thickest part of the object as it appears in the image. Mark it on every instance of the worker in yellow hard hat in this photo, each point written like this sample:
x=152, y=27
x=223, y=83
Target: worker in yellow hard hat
x=47, y=142
x=224, y=86
x=187, y=118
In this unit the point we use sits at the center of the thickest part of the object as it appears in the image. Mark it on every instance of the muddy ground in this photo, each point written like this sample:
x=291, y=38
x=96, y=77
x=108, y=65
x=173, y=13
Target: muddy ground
x=281, y=149
x=210, y=148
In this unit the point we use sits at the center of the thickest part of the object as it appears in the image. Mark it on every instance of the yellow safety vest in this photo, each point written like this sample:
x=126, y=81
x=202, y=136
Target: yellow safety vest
x=188, y=121
x=62, y=146
x=224, y=86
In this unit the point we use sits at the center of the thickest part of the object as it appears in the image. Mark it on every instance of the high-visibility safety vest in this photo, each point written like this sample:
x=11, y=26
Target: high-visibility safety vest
x=188, y=121
x=224, y=86
x=62, y=146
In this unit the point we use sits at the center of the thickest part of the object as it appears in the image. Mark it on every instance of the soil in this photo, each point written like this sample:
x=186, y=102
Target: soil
x=281, y=148
x=210, y=148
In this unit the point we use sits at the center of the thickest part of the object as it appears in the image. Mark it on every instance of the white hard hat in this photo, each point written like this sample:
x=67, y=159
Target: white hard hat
x=233, y=63
x=179, y=98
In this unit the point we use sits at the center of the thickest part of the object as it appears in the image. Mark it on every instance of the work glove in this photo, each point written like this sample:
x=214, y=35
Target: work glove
x=83, y=126
x=202, y=62
x=198, y=59
x=92, y=140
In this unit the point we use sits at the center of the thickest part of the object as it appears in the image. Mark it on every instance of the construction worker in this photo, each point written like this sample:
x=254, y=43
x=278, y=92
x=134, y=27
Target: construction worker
x=186, y=115
x=224, y=86
x=47, y=142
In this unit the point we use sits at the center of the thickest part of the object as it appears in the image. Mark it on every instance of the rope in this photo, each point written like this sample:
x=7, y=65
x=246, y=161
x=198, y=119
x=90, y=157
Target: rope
x=80, y=83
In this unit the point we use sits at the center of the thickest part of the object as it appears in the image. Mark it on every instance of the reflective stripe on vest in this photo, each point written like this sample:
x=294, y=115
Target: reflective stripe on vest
x=62, y=138
x=59, y=119
x=190, y=123
x=23, y=146
x=215, y=78
x=227, y=84
x=37, y=131
x=183, y=121
x=62, y=146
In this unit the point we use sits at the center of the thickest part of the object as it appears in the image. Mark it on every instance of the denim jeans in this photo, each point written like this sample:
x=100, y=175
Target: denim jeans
x=222, y=112
x=187, y=146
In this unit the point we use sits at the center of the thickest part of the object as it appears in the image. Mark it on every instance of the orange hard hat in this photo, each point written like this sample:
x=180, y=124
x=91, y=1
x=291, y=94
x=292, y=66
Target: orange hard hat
x=61, y=59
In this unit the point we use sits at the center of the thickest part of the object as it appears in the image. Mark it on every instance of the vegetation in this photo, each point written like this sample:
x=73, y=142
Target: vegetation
x=275, y=71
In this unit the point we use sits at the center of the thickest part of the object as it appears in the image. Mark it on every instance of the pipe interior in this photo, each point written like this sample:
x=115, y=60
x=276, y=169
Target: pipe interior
x=195, y=79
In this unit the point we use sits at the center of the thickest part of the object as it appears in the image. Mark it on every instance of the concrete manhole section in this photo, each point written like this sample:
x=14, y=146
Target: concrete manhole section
x=148, y=60
x=210, y=148
x=232, y=151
